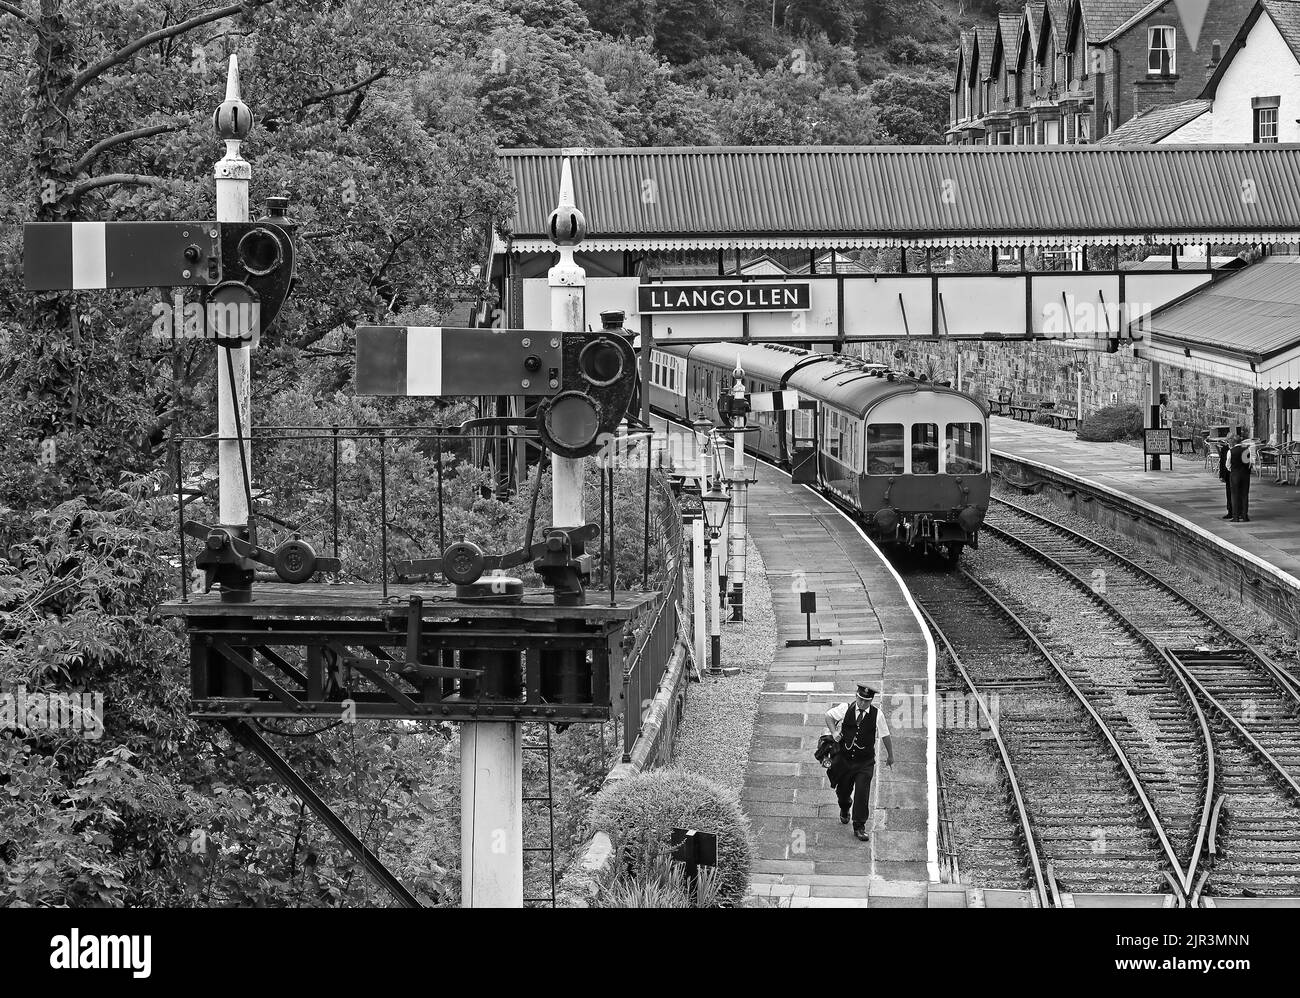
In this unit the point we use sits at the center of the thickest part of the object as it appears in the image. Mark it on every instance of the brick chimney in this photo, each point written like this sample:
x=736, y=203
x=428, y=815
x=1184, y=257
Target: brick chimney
x=1216, y=54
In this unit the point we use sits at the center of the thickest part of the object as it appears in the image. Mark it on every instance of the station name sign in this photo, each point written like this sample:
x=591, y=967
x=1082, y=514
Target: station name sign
x=747, y=297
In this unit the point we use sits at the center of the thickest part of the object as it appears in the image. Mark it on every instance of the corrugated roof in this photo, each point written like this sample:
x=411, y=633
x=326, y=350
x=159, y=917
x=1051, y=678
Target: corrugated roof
x=846, y=197
x=1151, y=126
x=1254, y=312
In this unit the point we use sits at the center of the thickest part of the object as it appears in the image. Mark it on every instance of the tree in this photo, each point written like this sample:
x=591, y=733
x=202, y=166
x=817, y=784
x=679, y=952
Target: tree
x=906, y=126
x=652, y=109
x=536, y=93
x=833, y=18
x=621, y=18
x=113, y=105
x=913, y=106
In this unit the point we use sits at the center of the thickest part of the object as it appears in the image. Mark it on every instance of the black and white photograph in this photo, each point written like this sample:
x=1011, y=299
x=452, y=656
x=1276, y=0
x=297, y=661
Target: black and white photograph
x=649, y=454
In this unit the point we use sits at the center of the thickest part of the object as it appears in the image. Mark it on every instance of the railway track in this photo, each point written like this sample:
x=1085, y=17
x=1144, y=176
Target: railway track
x=1249, y=842
x=1079, y=814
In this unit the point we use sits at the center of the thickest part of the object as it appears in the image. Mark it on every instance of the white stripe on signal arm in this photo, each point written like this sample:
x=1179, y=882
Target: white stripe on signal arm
x=89, y=256
x=424, y=360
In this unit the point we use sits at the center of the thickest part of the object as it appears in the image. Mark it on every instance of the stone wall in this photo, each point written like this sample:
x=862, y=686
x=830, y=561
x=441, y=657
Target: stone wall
x=1036, y=372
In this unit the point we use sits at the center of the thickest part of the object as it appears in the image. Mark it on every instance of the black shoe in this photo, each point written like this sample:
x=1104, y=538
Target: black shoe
x=844, y=817
x=1244, y=519
x=862, y=835
x=1227, y=517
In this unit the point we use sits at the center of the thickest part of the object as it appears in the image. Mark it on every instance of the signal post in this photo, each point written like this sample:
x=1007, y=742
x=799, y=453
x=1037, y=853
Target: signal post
x=491, y=762
x=488, y=655
x=232, y=174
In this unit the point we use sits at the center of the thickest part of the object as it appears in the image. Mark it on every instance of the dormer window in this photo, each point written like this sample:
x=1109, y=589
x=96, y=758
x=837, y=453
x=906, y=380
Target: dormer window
x=1161, y=54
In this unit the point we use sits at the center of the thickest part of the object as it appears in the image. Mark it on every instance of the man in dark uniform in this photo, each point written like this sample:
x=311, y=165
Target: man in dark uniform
x=1224, y=446
x=1240, y=458
x=856, y=727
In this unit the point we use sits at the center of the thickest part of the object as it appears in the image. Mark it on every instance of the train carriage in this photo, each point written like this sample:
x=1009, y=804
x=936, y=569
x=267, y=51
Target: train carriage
x=909, y=456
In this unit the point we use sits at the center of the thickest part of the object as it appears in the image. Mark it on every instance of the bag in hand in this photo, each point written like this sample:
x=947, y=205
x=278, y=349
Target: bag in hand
x=827, y=749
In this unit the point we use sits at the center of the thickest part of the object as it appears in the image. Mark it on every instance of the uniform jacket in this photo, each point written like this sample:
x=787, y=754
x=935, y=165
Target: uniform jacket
x=847, y=732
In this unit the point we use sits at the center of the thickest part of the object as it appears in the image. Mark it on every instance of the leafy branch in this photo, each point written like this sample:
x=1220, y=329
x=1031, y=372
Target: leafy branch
x=95, y=70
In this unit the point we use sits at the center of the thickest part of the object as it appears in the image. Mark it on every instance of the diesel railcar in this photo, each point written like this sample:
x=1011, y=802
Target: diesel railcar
x=909, y=456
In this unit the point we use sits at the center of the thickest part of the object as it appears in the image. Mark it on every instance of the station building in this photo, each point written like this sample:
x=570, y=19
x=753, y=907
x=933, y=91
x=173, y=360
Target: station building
x=1053, y=274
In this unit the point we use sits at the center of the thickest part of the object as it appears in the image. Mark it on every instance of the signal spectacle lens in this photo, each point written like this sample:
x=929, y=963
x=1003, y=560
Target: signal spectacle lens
x=259, y=251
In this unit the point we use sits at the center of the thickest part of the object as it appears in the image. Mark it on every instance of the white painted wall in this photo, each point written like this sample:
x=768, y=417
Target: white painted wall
x=1266, y=67
x=1199, y=129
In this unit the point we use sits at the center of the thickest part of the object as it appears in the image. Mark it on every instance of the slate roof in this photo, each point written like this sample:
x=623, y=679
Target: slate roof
x=1158, y=123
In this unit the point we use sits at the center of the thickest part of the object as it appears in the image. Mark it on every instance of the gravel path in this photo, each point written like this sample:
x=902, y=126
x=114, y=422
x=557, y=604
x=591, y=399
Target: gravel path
x=720, y=712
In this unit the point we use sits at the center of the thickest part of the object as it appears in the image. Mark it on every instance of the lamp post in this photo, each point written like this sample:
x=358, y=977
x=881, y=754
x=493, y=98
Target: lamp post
x=740, y=490
x=1080, y=363
x=716, y=503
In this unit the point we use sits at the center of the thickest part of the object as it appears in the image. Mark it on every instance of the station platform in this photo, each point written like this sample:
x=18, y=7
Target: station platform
x=805, y=857
x=1188, y=491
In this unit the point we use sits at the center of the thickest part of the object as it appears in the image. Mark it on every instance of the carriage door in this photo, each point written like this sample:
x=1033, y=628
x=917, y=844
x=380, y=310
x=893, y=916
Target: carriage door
x=803, y=452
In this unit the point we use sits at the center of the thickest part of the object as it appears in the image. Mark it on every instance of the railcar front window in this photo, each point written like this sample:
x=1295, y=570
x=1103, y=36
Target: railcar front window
x=925, y=449
x=964, y=452
x=885, y=449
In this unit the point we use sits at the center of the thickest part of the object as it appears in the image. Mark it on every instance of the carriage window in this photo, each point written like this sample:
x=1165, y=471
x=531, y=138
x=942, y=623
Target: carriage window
x=925, y=449
x=831, y=434
x=885, y=449
x=802, y=426
x=964, y=453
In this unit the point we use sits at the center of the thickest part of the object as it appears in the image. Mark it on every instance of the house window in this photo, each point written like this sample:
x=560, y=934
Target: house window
x=1081, y=128
x=1265, y=114
x=1160, y=52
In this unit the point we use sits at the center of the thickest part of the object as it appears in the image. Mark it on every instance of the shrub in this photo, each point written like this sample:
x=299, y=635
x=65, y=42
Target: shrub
x=659, y=882
x=1116, y=422
x=641, y=812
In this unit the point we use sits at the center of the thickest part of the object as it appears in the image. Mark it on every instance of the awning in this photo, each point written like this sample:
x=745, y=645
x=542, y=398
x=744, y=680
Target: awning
x=1280, y=372
x=771, y=197
x=849, y=242
x=1243, y=328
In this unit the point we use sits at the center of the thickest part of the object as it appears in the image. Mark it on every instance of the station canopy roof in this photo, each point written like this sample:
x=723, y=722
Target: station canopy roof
x=842, y=197
x=1244, y=327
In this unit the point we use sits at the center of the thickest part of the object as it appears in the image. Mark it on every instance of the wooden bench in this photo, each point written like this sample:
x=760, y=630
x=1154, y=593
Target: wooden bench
x=1063, y=421
x=1184, y=445
x=1024, y=413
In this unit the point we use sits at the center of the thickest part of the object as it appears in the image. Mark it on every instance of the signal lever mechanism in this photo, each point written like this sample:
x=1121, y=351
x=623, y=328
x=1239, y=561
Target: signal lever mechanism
x=558, y=558
x=230, y=555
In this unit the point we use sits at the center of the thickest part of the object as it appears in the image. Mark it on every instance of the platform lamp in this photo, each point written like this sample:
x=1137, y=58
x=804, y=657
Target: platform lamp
x=703, y=428
x=716, y=505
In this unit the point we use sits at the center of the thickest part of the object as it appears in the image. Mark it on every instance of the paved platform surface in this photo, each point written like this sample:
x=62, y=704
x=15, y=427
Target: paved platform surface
x=1188, y=489
x=804, y=855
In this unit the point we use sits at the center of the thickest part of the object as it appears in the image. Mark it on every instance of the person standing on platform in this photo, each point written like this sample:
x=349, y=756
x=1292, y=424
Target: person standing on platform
x=1240, y=457
x=856, y=726
x=1224, y=446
